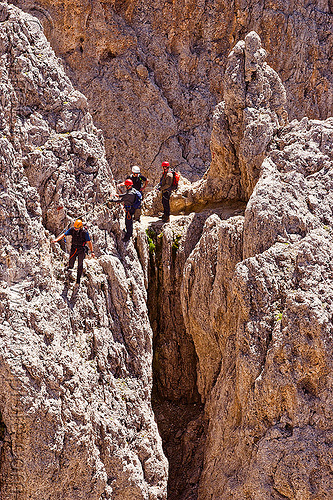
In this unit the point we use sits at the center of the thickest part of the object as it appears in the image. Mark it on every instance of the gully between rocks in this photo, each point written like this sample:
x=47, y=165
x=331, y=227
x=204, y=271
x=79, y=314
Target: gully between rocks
x=176, y=401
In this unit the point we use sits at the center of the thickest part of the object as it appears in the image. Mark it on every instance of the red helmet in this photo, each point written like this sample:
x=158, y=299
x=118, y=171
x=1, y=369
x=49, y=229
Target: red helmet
x=128, y=183
x=165, y=164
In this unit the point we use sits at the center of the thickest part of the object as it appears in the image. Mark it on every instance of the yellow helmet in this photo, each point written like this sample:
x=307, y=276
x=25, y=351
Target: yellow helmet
x=78, y=224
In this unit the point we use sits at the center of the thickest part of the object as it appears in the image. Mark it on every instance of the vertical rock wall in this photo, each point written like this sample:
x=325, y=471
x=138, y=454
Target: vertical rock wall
x=179, y=373
x=244, y=125
x=270, y=405
x=256, y=299
x=253, y=331
x=75, y=367
x=152, y=70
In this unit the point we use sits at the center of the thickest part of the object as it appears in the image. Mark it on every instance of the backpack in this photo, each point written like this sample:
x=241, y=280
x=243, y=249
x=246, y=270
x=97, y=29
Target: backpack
x=137, y=201
x=176, y=176
x=79, y=240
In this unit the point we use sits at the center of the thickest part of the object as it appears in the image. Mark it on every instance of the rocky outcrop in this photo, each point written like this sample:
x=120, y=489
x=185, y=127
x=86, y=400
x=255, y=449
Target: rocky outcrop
x=177, y=377
x=244, y=125
x=75, y=370
x=265, y=323
x=256, y=301
x=152, y=71
x=240, y=306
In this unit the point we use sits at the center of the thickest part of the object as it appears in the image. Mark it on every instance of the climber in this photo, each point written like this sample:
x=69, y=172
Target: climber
x=80, y=237
x=139, y=183
x=131, y=201
x=165, y=185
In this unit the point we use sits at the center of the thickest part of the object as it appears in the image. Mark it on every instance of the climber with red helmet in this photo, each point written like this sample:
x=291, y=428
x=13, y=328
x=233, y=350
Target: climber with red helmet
x=131, y=201
x=80, y=237
x=165, y=185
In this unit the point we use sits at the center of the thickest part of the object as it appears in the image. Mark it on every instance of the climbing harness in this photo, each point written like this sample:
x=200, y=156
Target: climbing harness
x=73, y=254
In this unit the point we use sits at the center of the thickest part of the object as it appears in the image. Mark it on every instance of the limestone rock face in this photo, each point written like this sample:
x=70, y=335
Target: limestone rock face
x=176, y=400
x=178, y=379
x=244, y=126
x=254, y=100
x=75, y=370
x=256, y=299
x=152, y=70
x=211, y=280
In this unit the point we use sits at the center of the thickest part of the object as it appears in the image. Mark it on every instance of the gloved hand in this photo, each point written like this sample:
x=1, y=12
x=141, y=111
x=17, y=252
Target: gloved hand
x=109, y=203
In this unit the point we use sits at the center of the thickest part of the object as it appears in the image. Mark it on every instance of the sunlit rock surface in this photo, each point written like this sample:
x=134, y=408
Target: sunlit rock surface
x=244, y=125
x=153, y=70
x=256, y=299
x=75, y=367
x=240, y=303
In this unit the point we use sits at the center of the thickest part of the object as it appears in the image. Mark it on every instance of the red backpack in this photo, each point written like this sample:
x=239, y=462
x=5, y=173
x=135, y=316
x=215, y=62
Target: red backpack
x=176, y=176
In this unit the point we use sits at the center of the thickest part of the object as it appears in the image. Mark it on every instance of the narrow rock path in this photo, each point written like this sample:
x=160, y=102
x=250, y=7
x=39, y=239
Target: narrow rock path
x=223, y=210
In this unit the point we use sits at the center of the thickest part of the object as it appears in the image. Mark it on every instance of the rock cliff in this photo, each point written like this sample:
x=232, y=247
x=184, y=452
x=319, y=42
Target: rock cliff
x=240, y=309
x=266, y=324
x=75, y=369
x=152, y=70
x=178, y=376
x=256, y=303
x=244, y=125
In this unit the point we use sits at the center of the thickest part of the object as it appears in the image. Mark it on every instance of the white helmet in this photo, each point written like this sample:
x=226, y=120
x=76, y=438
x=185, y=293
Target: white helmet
x=135, y=169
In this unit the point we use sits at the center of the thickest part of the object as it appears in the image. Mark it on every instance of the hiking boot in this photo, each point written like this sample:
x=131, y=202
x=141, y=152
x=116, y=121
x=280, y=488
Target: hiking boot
x=165, y=219
x=69, y=277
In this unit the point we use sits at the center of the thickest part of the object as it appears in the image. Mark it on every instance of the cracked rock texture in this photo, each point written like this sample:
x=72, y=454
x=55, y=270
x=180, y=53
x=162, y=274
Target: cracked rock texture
x=177, y=375
x=75, y=367
x=266, y=326
x=152, y=70
x=244, y=124
x=256, y=301
x=255, y=291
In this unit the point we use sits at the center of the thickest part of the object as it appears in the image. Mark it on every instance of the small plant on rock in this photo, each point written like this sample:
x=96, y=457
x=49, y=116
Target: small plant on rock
x=278, y=316
x=175, y=244
x=150, y=235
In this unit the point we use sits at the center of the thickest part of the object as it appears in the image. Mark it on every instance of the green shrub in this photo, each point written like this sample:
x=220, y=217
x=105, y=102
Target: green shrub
x=278, y=316
x=150, y=235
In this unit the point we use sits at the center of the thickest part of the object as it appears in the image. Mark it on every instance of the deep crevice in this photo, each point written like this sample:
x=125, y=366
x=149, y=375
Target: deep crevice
x=176, y=401
x=175, y=398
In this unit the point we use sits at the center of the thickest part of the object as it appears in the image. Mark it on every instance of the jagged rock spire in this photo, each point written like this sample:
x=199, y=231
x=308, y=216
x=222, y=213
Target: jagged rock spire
x=246, y=121
x=244, y=126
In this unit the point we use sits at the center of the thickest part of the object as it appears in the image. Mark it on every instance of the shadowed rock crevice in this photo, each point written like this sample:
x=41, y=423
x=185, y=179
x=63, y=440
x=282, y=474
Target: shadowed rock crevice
x=4, y=449
x=175, y=398
x=177, y=403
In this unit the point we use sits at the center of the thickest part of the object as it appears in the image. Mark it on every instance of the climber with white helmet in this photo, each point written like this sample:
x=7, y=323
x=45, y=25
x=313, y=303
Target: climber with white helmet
x=139, y=183
x=131, y=201
x=80, y=237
